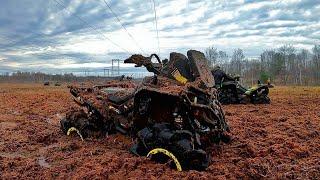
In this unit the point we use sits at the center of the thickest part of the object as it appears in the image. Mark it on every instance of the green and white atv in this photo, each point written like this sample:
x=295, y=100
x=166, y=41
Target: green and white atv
x=232, y=92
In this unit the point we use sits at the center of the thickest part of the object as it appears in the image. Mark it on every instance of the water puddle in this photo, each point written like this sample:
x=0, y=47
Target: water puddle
x=49, y=121
x=43, y=163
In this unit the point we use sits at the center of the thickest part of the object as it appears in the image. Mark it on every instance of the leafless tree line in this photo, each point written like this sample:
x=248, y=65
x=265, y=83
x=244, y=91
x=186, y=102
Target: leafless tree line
x=39, y=77
x=286, y=65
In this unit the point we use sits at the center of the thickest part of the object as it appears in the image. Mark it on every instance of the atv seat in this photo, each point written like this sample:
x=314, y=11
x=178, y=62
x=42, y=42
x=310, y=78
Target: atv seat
x=118, y=95
x=118, y=100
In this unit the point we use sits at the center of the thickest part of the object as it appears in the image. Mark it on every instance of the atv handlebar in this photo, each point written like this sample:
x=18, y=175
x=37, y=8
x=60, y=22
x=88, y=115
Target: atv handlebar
x=140, y=60
x=157, y=57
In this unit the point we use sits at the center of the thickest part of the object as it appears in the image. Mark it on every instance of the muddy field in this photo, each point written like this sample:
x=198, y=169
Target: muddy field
x=280, y=140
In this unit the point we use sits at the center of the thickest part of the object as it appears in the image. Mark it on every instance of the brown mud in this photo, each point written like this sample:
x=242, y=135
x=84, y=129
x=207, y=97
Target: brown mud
x=280, y=140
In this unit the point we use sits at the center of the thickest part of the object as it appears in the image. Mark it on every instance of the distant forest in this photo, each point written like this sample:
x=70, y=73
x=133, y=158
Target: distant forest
x=286, y=65
x=39, y=77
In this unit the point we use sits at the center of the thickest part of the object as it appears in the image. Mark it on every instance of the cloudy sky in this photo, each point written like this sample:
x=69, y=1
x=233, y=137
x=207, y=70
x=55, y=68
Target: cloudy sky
x=68, y=35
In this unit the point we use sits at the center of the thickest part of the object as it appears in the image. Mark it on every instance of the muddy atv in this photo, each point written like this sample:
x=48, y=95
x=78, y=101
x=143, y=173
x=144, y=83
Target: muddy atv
x=173, y=115
x=232, y=92
x=46, y=83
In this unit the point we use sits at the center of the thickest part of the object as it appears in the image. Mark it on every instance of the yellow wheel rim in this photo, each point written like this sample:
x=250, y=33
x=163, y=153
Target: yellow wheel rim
x=167, y=153
x=73, y=129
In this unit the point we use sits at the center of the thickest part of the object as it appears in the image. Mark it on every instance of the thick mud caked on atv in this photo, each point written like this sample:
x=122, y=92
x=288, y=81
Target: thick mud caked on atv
x=259, y=94
x=230, y=91
x=176, y=110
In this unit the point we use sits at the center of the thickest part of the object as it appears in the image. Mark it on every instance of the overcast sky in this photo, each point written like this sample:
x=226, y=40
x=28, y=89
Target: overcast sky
x=78, y=34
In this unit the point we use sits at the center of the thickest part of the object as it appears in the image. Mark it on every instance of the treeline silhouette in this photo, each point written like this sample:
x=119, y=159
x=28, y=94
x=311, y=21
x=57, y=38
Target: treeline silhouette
x=286, y=65
x=39, y=77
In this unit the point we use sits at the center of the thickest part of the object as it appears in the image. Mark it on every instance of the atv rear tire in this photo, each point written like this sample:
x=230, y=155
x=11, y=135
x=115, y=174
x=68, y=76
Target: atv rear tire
x=179, y=143
x=81, y=121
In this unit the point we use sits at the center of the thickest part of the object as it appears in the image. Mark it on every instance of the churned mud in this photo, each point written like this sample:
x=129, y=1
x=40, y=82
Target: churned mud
x=279, y=140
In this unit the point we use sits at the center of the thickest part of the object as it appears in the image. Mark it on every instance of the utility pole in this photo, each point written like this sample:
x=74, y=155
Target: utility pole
x=86, y=72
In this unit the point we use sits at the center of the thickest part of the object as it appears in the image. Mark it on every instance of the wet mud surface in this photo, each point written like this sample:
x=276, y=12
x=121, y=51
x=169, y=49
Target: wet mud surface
x=280, y=140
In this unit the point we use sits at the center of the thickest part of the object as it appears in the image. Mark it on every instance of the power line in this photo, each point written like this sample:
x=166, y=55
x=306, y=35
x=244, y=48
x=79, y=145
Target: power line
x=91, y=26
x=14, y=42
x=118, y=19
x=156, y=20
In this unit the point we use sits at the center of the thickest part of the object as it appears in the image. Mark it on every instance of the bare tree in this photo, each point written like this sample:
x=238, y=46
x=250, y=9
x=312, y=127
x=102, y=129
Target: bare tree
x=223, y=60
x=212, y=55
x=302, y=58
x=236, y=61
x=316, y=63
x=286, y=65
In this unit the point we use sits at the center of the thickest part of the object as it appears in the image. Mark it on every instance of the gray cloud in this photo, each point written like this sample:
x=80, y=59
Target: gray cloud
x=44, y=32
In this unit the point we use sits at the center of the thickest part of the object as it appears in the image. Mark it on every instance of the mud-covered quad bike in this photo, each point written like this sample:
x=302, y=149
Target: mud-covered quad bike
x=232, y=92
x=173, y=115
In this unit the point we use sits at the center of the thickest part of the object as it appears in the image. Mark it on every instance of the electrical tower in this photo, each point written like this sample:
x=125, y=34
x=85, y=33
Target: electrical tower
x=115, y=67
x=106, y=70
